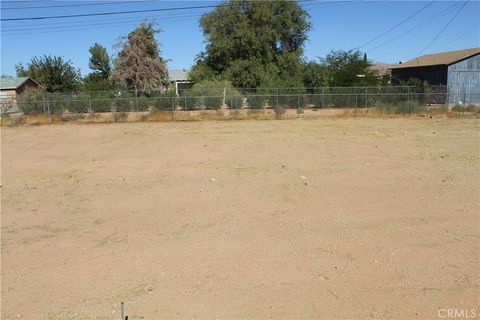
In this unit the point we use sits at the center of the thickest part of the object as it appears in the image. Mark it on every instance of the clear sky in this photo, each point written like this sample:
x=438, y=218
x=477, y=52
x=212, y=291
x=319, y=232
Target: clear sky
x=336, y=25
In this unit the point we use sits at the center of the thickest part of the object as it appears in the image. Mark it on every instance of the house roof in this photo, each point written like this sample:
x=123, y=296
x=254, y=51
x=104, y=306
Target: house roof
x=442, y=58
x=13, y=83
x=178, y=75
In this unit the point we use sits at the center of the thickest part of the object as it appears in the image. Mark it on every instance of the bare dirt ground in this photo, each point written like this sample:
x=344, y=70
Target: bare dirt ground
x=332, y=218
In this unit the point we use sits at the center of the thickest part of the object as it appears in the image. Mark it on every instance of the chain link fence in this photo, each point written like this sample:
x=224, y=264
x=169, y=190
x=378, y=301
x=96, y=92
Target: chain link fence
x=397, y=99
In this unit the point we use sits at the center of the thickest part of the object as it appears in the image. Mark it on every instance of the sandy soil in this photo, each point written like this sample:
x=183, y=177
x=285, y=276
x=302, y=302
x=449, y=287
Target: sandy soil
x=333, y=218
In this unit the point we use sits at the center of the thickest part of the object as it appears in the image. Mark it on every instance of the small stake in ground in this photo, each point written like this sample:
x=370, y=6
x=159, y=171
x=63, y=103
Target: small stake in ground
x=122, y=312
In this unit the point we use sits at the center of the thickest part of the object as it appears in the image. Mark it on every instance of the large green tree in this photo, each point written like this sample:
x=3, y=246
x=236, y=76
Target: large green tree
x=139, y=63
x=349, y=68
x=99, y=61
x=253, y=43
x=54, y=73
x=315, y=74
x=101, y=66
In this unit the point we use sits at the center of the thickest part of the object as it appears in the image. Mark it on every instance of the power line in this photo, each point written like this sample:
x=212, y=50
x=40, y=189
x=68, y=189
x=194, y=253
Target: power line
x=74, y=24
x=463, y=34
x=112, y=13
x=417, y=26
x=66, y=28
x=143, y=11
x=85, y=28
x=444, y=28
x=75, y=5
x=397, y=25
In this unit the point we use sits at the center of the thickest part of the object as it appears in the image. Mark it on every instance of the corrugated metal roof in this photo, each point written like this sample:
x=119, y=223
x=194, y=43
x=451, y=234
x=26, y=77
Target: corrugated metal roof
x=442, y=58
x=178, y=75
x=12, y=83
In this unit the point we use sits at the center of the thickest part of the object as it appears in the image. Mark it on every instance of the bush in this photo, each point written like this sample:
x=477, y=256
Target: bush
x=402, y=108
x=209, y=95
x=78, y=104
x=280, y=112
x=468, y=108
x=34, y=102
x=101, y=105
x=123, y=104
x=256, y=102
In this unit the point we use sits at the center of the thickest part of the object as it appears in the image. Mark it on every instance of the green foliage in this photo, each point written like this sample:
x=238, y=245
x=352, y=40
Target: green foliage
x=253, y=43
x=94, y=82
x=209, y=95
x=124, y=104
x=36, y=102
x=280, y=112
x=402, y=108
x=99, y=61
x=53, y=73
x=101, y=105
x=77, y=103
x=139, y=64
x=344, y=68
x=256, y=101
x=466, y=108
x=315, y=75
x=101, y=66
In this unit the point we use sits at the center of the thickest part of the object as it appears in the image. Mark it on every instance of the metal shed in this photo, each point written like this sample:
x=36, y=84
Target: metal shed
x=459, y=70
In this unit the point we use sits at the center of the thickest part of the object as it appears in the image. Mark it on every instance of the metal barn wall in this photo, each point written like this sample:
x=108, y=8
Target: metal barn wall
x=434, y=75
x=464, y=81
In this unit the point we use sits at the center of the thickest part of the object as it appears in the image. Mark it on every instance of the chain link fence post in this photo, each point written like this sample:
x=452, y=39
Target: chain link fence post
x=356, y=104
x=366, y=99
x=323, y=98
x=89, y=102
x=277, y=98
x=173, y=108
x=49, y=116
x=136, y=98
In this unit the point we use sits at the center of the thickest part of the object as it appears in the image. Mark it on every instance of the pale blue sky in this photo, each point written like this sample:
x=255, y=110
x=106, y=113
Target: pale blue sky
x=336, y=25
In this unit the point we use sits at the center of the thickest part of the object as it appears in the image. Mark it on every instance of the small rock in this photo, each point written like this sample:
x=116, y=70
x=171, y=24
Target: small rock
x=303, y=177
x=367, y=163
x=284, y=166
x=433, y=132
x=305, y=183
x=212, y=179
x=336, y=267
x=201, y=190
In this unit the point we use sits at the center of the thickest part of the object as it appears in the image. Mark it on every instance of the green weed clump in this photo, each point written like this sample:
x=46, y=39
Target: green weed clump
x=402, y=108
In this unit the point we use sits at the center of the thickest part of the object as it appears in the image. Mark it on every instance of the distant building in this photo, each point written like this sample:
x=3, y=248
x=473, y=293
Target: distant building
x=11, y=88
x=459, y=70
x=180, y=79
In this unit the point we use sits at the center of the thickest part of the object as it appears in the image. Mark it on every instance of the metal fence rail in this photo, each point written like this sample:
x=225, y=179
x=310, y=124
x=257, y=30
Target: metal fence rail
x=128, y=101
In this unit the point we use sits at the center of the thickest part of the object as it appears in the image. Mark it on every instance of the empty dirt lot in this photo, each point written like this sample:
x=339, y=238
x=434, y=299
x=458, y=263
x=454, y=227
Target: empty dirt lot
x=332, y=218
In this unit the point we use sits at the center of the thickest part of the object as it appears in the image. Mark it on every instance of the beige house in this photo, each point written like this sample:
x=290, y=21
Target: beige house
x=11, y=88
